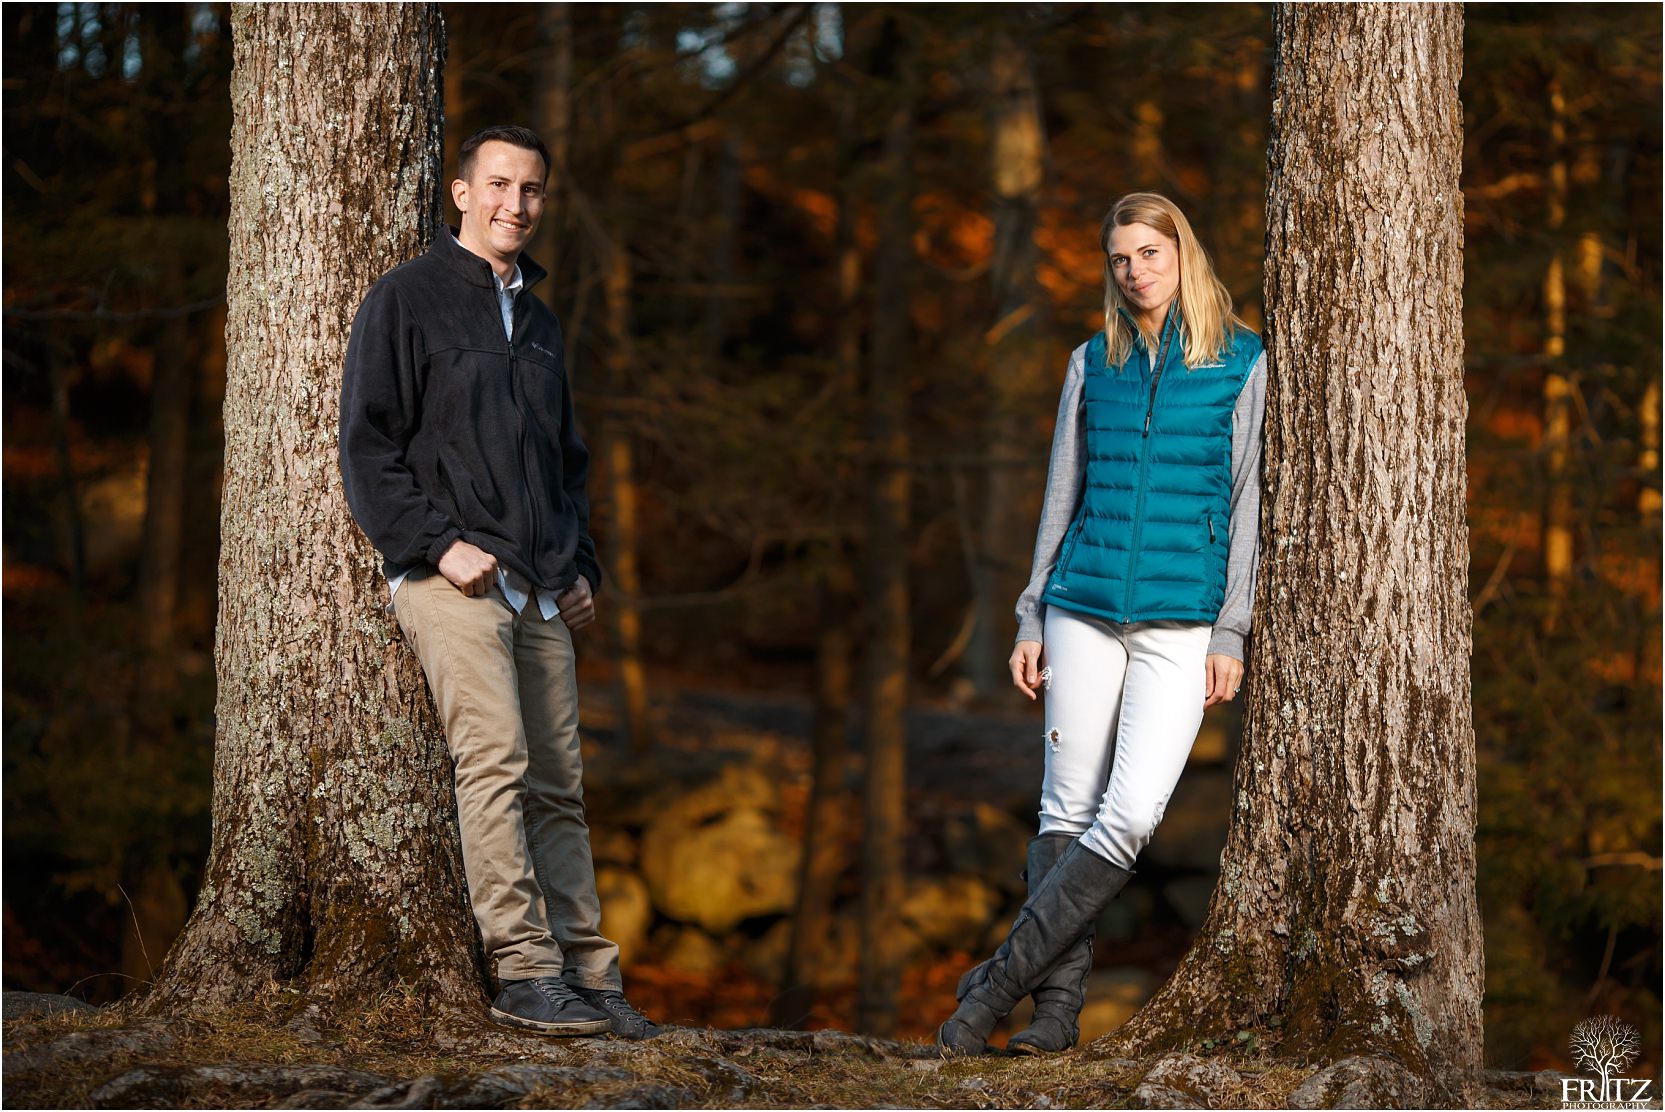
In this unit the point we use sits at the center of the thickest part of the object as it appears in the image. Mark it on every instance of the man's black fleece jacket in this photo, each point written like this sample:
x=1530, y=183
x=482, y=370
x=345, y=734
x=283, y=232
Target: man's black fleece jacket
x=450, y=430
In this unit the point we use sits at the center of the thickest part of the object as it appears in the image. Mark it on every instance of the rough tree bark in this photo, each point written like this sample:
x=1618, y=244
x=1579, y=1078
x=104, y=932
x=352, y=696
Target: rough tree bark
x=1346, y=905
x=334, y=865
x=887, y=649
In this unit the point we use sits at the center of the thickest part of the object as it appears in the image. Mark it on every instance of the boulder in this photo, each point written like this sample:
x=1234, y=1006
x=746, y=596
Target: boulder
x=953, y=912
x=717, y=872
x=626, y=910
x=625, y=791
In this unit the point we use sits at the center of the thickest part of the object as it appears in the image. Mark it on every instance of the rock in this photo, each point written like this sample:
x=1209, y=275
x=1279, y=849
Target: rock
x=1189, y=897
x=1192, y=833
x=626, y=910
x=17, y=1005
x=952, y=912
x=1113, y=995
x=690, y=950
x=689, y=788
x=719, y=871
x=989, y=843
x=1204, y=1082
x=1362, y=1082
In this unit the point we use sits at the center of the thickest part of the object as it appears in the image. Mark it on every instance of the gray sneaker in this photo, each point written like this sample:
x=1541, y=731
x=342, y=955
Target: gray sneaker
x=546, y=1004
x=627, y=1022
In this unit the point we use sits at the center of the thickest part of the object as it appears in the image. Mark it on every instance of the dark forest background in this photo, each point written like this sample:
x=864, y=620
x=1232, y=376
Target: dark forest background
x=724, y=168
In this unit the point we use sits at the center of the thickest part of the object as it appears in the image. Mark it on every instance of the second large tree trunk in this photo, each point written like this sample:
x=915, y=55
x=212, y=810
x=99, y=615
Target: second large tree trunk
x=334, y=864
x=1345, y=920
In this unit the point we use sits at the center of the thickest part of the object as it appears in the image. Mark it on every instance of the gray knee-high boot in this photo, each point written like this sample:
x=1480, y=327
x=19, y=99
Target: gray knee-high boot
x=1062, y=992
x=1057, y=914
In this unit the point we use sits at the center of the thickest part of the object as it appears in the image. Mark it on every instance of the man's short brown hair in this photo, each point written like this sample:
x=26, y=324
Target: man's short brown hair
x=512, y=134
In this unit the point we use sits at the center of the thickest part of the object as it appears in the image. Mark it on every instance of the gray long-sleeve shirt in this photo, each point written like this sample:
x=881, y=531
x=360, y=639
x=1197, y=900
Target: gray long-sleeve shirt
x=1067, y=474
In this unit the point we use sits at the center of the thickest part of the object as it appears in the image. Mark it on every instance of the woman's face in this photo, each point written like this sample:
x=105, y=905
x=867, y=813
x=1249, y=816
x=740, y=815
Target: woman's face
x=1145, y=265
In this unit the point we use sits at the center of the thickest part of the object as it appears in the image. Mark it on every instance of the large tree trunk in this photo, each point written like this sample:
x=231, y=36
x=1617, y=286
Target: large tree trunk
x=884, y=774
x=334, y=862
x=1346, y=906
x=1018, y=150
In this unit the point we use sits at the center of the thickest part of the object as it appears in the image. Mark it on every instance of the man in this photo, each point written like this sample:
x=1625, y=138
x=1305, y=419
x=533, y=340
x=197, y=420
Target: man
x=463, y=466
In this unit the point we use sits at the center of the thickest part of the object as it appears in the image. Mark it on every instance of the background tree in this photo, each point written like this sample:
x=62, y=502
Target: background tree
x=1346, y=906
x=334, y=861
x=889, y=633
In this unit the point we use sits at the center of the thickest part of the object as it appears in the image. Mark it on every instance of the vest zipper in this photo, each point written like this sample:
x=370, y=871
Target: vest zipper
x=1156, y=376
x=1144, y=470
x=1210, y=528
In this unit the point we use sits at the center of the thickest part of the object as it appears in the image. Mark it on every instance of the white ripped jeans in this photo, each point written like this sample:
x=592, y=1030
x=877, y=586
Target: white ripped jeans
x=1123, y=703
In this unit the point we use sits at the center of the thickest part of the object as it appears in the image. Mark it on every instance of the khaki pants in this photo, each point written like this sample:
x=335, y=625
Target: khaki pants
x=507, y=694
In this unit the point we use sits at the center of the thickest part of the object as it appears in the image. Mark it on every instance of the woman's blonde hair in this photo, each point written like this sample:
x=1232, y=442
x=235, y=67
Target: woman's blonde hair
x=1204, y=303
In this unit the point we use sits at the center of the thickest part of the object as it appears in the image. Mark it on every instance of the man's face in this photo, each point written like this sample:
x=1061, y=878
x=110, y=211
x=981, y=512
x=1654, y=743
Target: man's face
x=500, y=201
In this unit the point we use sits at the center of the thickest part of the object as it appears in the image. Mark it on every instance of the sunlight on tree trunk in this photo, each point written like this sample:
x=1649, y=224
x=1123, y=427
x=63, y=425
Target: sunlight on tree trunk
x=623, y=537
x=1557, y=387
x=1345, y=920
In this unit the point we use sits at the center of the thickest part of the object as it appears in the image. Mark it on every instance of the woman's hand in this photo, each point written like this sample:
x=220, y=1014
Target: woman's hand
x=1224, y=677
x=1026, y=667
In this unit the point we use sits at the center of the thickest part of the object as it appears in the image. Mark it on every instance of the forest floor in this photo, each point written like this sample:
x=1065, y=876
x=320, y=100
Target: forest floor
x=395, y=1056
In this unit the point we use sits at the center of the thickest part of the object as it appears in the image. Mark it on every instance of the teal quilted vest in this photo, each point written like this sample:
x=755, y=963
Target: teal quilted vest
x=1149, y=539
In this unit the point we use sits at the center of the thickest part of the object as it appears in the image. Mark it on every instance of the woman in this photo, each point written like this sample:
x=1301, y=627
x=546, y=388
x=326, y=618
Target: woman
x=1142, y=584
